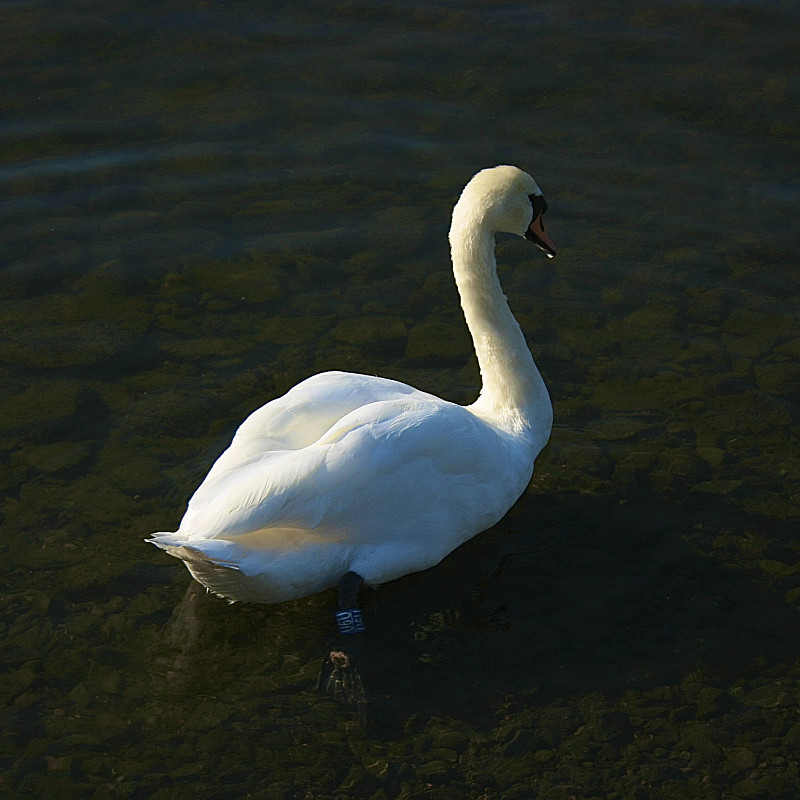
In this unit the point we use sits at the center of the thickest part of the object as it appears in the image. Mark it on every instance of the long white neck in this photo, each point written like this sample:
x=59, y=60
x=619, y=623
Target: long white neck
x=513, y=395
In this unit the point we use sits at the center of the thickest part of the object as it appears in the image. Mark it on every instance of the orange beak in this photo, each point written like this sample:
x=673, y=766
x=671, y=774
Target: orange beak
x=538, y=235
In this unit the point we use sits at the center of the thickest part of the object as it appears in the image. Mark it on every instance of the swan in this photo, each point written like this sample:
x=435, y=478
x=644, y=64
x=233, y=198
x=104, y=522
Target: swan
x=349, y=479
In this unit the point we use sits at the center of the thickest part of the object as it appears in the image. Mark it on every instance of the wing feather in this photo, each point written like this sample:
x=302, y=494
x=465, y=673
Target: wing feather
x=401, y=467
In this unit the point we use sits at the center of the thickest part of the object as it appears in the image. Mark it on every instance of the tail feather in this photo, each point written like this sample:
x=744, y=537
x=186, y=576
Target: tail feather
x=261, y=567
x=221, y=577
x=166, y=540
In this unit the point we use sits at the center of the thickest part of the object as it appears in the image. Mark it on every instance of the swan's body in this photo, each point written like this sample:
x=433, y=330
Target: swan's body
x=355, y=473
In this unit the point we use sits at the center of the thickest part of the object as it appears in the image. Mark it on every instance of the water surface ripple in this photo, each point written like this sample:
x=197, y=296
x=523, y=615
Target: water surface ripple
x=201, y=204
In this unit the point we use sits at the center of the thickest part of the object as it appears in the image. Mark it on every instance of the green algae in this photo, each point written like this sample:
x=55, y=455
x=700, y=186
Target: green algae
x=436, y=344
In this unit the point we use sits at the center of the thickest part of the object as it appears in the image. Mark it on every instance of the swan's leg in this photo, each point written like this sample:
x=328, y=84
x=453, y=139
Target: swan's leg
x=339, y=676
x=349, y=587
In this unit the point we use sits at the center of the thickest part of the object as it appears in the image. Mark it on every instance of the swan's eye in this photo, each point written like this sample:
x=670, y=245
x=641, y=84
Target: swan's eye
x=539, y=205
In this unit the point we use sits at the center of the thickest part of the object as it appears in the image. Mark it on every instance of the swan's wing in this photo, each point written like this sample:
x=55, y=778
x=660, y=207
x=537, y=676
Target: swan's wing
x=310, y=408
x=430, y=476
x=394, y=470
x=293, y=422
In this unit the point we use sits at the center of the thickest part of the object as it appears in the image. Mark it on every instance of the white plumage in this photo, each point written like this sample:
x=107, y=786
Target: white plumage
x=349, y=472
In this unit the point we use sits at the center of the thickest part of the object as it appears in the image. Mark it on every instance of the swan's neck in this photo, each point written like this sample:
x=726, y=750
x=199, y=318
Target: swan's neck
x=513, y=394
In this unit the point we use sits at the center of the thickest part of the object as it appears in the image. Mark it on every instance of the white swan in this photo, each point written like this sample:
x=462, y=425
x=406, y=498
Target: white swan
x=354, y=474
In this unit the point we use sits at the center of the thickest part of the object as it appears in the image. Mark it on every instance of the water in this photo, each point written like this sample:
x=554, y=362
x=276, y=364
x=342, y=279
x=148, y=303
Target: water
x=204, y=203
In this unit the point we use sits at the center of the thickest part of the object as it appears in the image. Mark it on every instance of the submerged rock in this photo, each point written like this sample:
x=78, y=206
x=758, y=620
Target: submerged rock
x=778, y=376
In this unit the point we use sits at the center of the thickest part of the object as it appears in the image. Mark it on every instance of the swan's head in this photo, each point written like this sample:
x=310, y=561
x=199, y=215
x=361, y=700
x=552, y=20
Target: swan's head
x=505, y=200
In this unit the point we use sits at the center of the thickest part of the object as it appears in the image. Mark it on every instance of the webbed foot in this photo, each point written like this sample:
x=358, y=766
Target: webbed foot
x=340, y=676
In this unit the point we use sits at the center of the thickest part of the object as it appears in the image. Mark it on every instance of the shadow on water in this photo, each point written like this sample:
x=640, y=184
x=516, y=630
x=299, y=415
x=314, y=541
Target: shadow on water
x=601, y=598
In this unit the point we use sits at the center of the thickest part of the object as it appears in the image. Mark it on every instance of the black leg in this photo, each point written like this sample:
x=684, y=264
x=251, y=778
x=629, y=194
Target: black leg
x=348, y=617
x=349, y=587
x=339, y=676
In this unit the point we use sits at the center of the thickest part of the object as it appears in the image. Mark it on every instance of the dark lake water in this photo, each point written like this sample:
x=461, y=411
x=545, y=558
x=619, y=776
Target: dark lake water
x=203, y=203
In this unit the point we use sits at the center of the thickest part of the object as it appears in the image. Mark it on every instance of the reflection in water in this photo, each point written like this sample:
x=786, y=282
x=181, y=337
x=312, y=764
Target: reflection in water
x=182, y=638
x=203, y=205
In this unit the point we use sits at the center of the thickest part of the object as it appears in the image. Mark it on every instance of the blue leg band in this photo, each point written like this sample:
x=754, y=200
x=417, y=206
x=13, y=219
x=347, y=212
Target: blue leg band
x=350, y=621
